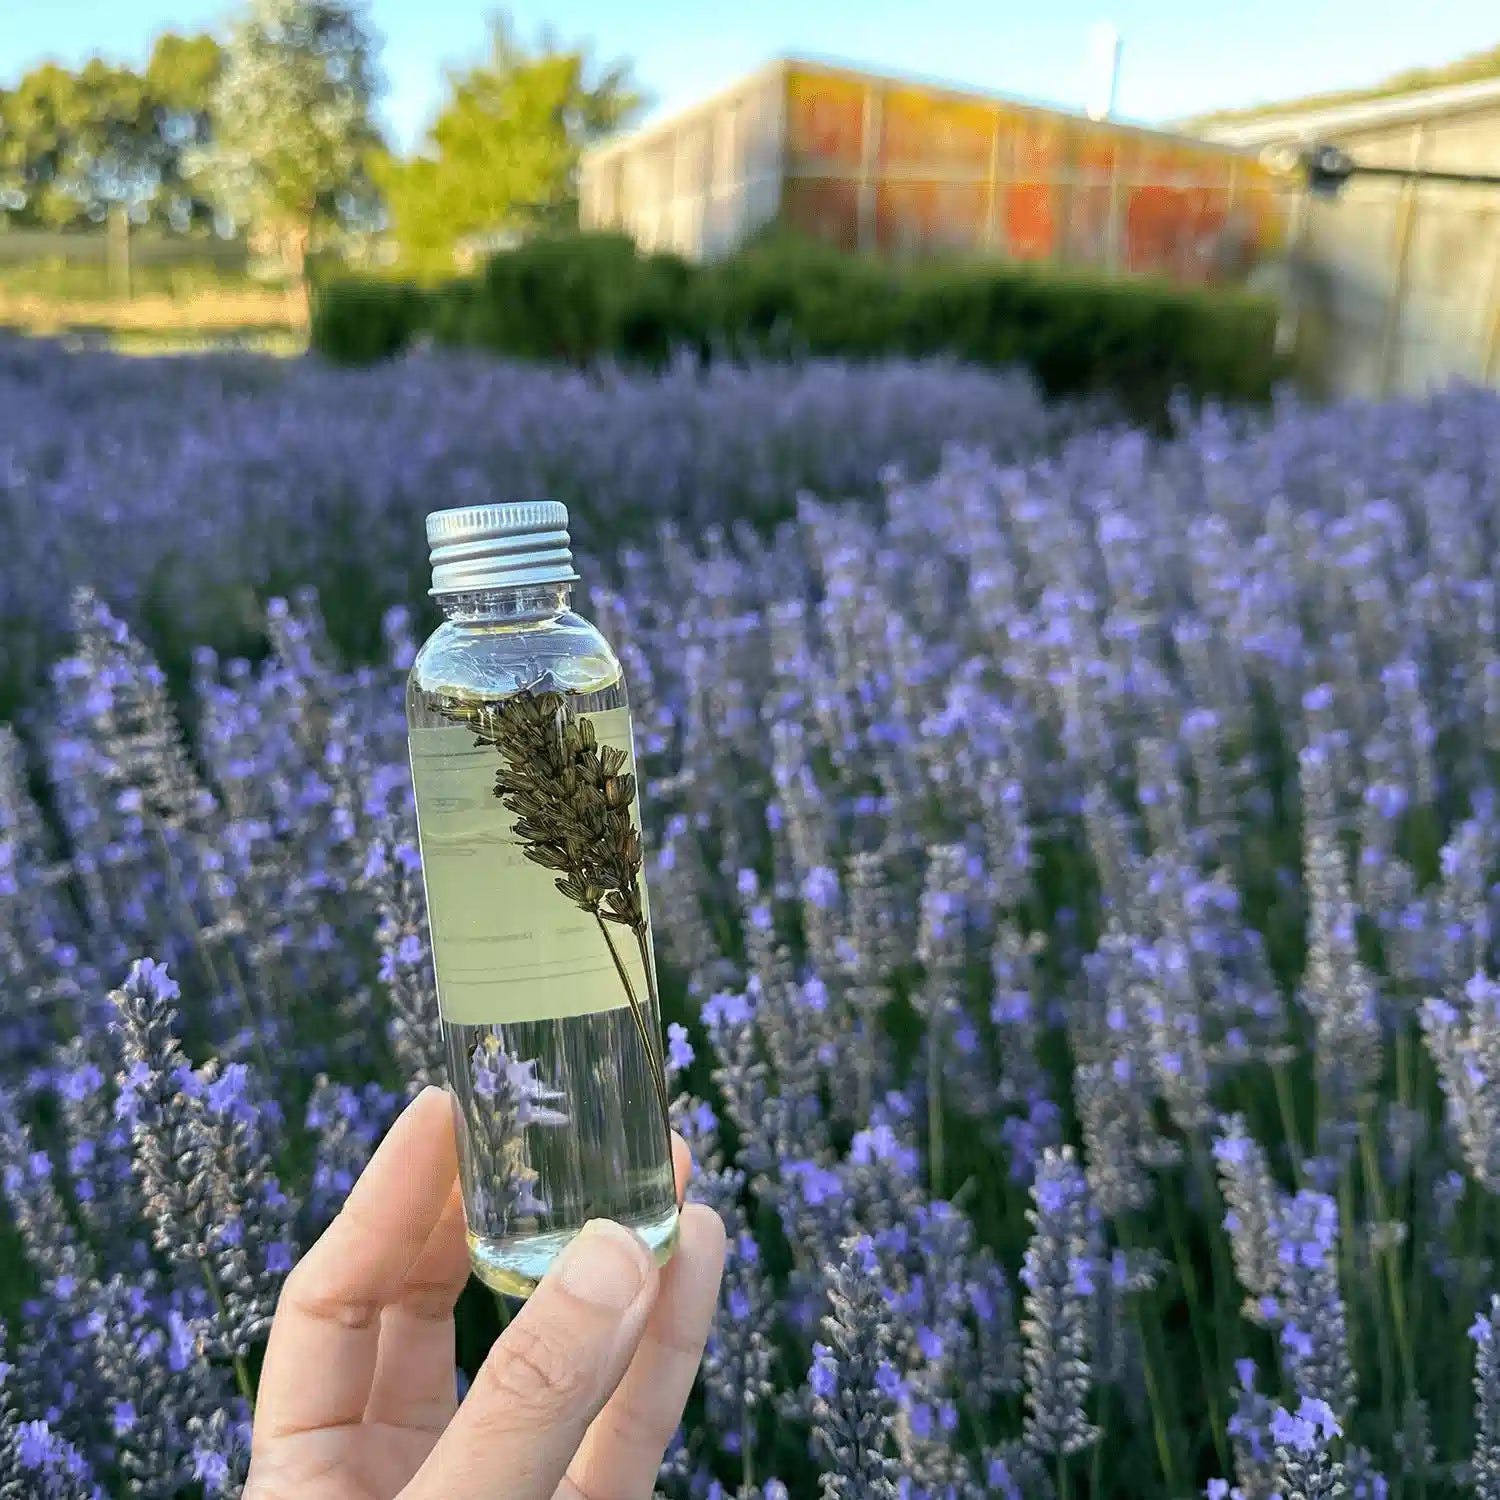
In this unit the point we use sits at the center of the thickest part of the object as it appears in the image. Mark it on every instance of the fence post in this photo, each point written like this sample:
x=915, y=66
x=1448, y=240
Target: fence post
x=1114, y=238
x=675, y=235
x=117, y=250
x=869, y=163
x=1229, y=243
x=1065, y=185
x=992, y=189
x=1406, y=223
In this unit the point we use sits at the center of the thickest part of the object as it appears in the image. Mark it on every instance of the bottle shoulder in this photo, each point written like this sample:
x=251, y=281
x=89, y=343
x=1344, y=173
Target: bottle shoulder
x=494, y=657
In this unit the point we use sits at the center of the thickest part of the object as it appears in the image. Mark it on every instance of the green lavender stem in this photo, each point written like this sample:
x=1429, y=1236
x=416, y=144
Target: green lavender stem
x=934, y=1111
x=241, y=1371
x=1376, y=1189
x=1206, y=1361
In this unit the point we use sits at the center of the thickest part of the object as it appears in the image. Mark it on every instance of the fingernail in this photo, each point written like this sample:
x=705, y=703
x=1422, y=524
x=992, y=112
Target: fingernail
x=605, y=1264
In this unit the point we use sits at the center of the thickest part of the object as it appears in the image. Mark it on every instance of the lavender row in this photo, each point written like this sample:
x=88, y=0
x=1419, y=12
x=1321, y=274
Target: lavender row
x=213, y=483
x=1079, y=874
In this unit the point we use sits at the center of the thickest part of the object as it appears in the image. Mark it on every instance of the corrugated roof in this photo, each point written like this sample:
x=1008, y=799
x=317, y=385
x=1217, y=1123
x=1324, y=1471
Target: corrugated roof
x=667, y=125
x=1325, y=122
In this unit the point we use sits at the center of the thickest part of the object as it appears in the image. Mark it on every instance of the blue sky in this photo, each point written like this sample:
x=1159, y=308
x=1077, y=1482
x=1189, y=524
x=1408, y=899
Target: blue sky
x=1180, y=56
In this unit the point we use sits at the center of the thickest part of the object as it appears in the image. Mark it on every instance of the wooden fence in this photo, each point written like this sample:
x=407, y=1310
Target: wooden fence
x=118, y=251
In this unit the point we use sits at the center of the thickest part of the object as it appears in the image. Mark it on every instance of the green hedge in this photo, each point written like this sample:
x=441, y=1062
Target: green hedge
x=356, y=322
x=578, y=299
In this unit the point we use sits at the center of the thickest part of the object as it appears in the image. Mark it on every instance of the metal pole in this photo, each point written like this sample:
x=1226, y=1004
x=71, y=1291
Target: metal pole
x=1460, y=179
x=1105, y=45
x=1406, y=223
x=1298, y=226
x=1489, y=366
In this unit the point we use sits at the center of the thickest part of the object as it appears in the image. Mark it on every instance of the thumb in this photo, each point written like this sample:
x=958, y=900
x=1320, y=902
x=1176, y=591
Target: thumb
x=548, y=1374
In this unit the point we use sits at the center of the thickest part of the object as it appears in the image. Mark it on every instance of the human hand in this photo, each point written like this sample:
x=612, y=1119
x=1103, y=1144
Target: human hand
x=577, y=1399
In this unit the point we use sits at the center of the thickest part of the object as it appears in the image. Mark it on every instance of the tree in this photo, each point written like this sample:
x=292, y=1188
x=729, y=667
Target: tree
x=76, y=145
x=115, y=155
x=34, y=137
x=181, y=79
x=291, y=119
x=73, y=145
x=502, y=156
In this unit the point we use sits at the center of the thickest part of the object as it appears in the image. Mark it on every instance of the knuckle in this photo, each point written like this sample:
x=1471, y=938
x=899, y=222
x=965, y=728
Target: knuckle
x=537, y=1369
x=327, y=1305
x=430, y=1301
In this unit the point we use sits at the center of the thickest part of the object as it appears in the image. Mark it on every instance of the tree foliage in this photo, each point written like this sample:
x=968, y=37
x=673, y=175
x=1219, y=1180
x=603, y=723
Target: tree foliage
x=181, y=77
x=74, y=144
x=502, y=157
x=292, y=118
x=273, y=132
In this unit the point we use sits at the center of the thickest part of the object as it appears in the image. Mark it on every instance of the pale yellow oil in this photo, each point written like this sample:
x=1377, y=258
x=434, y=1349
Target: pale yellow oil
x=609, y=1161
x=612, y=1158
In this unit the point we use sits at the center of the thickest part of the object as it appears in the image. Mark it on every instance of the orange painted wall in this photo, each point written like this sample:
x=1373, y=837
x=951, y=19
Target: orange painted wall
x=1185, y=211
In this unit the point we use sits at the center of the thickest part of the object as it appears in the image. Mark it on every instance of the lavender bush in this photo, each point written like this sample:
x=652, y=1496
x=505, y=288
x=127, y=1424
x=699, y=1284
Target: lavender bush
x=1076, y=867
x=219, y=482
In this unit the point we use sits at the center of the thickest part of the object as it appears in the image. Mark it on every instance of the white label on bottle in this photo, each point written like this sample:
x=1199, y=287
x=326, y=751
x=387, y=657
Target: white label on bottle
x=507, y=945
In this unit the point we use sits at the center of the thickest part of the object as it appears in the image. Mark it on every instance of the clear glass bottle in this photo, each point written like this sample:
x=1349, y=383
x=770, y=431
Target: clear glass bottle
x=549, y=1008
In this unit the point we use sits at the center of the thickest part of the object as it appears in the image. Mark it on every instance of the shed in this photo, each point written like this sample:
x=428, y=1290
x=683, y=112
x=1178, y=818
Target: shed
x=890, y=164
x=1402, y=276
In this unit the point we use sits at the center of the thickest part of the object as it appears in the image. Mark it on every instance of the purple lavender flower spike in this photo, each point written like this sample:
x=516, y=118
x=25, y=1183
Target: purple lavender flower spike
x=347, y=1124
x=1312, y=1333
x=1060, y=1276
x=1463, y=1035
x=1485, y=1469
x=1254, y=1206
x=160, y=1098
x=854, y=1384
x=393, y=876
x=509, y=1100
x=1338, y=989
x=1305, y=1467
x=202, y=1163
x=1249, y=1431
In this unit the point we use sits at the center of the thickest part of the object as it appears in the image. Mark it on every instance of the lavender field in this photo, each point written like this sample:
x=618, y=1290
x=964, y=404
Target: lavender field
x=1074, y=854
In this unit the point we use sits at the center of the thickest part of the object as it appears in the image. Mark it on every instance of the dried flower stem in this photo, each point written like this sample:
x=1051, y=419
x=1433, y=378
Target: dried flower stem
x=642, y=1026
x=572, y=799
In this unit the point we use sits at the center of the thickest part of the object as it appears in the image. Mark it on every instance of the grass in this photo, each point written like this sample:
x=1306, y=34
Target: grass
x=280, y=342
x=172, y=307
x=246, y=308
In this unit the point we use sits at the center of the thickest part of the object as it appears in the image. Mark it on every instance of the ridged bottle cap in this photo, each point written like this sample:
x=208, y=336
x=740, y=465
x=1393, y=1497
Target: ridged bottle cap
x=499, y=546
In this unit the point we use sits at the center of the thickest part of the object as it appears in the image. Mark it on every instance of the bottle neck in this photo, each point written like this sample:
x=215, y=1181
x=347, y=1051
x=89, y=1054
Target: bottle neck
x=536, y=601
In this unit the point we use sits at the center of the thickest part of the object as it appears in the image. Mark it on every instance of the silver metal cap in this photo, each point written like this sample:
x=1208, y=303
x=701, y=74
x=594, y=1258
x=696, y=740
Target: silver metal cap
x=499, y=546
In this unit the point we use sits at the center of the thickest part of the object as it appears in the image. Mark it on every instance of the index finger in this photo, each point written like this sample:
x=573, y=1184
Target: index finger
x=622, y=1452
x=548, y=1374
x=328, y=1319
